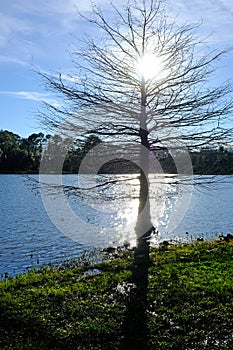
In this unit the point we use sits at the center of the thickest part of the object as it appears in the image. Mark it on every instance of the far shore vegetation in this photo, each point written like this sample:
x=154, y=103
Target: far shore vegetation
x=188, y=302
x=23, y=155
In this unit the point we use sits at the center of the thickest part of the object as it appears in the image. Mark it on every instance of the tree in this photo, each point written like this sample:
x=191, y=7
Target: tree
x=143, y=79
x=11, y=156
x=19, y=154
x=171, y=104
x=32, y=146
x=77, y=152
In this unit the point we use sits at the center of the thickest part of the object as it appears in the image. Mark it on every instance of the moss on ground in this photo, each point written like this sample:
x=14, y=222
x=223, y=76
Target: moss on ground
x=189, y=302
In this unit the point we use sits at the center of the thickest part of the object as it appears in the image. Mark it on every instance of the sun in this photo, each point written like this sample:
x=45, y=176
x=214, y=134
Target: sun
x=150, y=66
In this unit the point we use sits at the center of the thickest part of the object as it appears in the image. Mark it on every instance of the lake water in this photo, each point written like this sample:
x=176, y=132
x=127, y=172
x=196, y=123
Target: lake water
x=31, y=234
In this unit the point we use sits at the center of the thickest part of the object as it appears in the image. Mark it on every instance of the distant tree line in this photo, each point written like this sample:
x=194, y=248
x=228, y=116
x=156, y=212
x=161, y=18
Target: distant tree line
x=23, y=155
x=18, y=154
x=213, y=161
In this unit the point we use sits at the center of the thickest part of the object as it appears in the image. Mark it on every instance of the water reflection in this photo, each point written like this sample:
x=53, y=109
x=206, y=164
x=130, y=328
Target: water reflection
x=28, y=236
x=112, y=209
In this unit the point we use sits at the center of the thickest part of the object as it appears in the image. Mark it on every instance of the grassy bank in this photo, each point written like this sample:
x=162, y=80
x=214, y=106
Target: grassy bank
x=189, y=302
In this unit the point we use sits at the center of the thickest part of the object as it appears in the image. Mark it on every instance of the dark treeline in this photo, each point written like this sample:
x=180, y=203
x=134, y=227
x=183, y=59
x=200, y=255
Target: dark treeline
x=23, y=155
x=19, y=154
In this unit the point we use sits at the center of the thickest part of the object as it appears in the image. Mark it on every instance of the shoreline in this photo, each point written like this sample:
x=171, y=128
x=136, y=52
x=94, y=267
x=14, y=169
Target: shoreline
x=188, y=301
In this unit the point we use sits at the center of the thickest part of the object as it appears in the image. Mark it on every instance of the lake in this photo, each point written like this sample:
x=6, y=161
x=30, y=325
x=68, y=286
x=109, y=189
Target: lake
x=51, y=227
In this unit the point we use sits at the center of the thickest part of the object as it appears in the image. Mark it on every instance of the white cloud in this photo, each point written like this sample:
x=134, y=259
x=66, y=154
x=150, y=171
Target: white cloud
x=33, y=96
x=59, y=16
x=227, y=5
x=42, y=30
x=45, y=13
x=14, y=60
x=10, y=26
x=68, y=7
x=39, y=29
x=70, y=78
x=216, y=15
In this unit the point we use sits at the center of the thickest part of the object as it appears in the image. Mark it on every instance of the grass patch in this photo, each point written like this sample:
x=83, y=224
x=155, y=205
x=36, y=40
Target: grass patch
x=189, y=302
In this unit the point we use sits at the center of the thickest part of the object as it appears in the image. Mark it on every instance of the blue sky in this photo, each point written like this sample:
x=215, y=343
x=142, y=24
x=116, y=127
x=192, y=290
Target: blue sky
x=42, y=34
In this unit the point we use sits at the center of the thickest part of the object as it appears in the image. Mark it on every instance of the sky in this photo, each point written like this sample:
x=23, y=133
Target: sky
x=42, y=34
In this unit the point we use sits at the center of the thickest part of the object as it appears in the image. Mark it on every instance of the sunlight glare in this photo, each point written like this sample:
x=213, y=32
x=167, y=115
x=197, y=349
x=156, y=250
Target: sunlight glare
x=150, y=66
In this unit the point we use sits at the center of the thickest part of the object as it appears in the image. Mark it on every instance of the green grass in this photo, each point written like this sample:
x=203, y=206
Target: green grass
x=189, y=302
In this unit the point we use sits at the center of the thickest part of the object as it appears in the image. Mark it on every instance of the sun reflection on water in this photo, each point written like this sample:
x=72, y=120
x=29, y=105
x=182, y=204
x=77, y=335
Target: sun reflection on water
x=112, y=211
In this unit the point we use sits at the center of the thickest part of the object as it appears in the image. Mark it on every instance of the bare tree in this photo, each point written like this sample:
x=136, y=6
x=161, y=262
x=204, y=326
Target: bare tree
x=143, y=79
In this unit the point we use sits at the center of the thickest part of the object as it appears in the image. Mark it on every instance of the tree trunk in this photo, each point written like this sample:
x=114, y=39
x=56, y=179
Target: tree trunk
x=144, y=226
x=135, y=326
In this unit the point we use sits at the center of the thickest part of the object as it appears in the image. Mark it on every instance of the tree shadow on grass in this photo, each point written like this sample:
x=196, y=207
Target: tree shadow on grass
x=135, y=329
